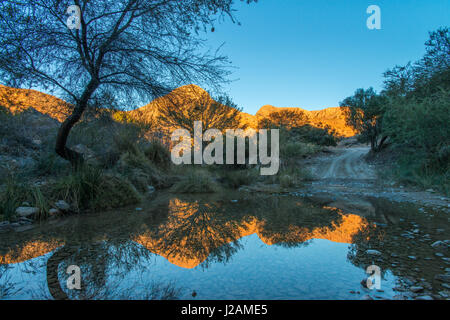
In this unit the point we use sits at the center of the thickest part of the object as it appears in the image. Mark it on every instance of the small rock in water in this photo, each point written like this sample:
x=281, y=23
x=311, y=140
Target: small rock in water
x=26, y=211
x=416, y=289
x=24, y=228
x=439, y=244
x=4, y=223
x=424, y=298
x=366, y=297
x=54, y=212
x=373, y=252
x=62, y=205
x=443, y=277
x=5, y=226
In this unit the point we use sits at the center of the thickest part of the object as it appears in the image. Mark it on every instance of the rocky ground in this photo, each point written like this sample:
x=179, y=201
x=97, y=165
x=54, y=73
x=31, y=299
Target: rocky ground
x=345, y=180
x=343, y=172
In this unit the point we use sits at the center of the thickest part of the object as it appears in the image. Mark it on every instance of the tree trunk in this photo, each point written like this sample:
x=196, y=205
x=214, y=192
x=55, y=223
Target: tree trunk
x=75, y=158
x=373, y=142
x=381, y=144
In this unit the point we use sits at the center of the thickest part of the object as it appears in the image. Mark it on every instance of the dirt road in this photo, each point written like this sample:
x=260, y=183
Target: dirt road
x=347, y=164
x=343, y=173
x=342, y=163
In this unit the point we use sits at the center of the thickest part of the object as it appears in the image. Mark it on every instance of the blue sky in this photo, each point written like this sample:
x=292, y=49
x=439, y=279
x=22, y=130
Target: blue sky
x=312, y=54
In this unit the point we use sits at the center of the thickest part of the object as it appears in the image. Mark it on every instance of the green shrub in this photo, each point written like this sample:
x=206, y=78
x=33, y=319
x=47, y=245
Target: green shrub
x=39, y=201
x=140, y=171
x=289, y=177
x=80, y=188
x=115, y=191
x=319, y=136
x=91, y=188
x=12, y=194
x=126, y=139
x=158, y=154
x=236, y=178
x=298, y=149
x=419, y=133
x=195, y=181
x=49, y=163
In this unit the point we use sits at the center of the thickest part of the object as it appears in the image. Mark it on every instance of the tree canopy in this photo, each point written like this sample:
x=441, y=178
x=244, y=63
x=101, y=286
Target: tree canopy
x=129, y=50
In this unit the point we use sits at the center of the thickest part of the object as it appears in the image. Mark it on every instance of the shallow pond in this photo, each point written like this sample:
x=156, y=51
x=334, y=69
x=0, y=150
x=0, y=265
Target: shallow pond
x=230, y=246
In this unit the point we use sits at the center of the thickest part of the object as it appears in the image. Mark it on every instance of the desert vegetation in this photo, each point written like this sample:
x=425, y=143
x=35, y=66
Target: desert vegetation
x=408, y=120
x=126, y=159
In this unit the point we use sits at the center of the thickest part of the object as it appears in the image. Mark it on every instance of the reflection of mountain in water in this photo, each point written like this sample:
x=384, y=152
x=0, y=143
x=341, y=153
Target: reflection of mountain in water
x=195, y=230
x=202, y=230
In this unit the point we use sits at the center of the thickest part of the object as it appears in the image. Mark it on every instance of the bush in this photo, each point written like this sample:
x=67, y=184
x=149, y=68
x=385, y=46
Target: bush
x=195, y=181
x=298, y=149
x=236, y=178
x=320, y=136
x=158, y=154
x=49, y=163
x=81, y=187
x=39, y=201
x=290, y=177
x=115, y=191
x=12, y=195
x=91, y=188
x=420, y=134
x=140, y=171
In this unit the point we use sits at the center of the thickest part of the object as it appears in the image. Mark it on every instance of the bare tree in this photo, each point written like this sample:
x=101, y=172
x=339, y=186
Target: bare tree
x=131, y=50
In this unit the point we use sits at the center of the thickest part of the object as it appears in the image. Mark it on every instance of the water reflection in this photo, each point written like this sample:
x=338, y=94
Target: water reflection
x=221, y=246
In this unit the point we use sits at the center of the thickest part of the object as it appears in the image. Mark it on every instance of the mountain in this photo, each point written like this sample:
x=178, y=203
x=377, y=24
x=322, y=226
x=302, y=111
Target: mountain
x=18, y=100
x=333, y=116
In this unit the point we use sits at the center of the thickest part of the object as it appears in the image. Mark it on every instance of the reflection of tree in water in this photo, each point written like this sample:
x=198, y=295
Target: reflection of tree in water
x=204, y=231
x=188, y=232
x=195, y=232
x=7, y=287
x=103, y=267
